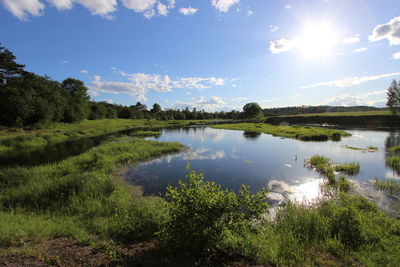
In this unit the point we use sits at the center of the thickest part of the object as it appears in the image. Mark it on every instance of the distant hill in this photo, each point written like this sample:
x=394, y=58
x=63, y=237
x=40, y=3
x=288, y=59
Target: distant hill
x=315, y=109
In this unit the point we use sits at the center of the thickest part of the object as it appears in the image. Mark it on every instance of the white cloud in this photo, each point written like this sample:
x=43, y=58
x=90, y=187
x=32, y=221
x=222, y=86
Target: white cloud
x=84, y=71
x=188, y=11
x=351, y=39
x=139, y=5
x=288, y=6
x=239, y=98
x=22, y=8
x=96, y=7
x=390, y=31
x=273, y=28
x=269, y=100
x=149, y=7
x=249, y=11
x=109, y=101
x=162, y=9
x=171, y=4
x=396, y=55
x=138, y=84
x=281, y=45
x=223, y=5
x=351, y=81
x=361, y=49
x=365, y=99
x=212, y=104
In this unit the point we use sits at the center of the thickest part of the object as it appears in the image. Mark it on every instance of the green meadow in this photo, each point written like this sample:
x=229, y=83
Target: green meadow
x=303, y=133
x=11, y=139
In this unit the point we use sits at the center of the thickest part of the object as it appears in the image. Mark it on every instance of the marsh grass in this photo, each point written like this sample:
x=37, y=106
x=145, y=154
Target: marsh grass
x=82, y=189
x=368, y=149
x=393, y=162
x=391, y=186
x=296, y=132
x=12, y=139
x=352, y=168
x=394, y=148
x=146, y=133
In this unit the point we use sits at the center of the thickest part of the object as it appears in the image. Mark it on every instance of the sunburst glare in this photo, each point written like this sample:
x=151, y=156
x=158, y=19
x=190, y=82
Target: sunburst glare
x=317, y=41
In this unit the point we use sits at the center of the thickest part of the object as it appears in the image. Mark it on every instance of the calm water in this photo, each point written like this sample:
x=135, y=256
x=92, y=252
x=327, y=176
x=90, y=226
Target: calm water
x=232, y=158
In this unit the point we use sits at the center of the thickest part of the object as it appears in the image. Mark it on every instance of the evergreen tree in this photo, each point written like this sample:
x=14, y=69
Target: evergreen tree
x=393, y=97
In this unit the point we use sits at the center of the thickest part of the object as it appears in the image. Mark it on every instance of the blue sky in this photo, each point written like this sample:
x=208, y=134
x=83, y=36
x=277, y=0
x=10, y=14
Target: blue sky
x=212, y=54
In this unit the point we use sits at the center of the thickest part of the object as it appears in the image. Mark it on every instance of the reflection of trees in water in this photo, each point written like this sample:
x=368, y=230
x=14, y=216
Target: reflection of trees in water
x=392, y=140
x=251, y=135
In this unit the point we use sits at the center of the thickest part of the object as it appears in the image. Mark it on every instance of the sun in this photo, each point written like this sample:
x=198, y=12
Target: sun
x=317, y=41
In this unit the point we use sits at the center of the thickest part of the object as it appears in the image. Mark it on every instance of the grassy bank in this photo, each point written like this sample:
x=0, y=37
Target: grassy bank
x=340, y=114
x=370, y=119
x=296, y=132
x=11, y=139
x=79, y=197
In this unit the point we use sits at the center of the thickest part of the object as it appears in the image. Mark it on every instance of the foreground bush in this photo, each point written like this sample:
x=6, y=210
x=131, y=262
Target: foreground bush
x=199, y=211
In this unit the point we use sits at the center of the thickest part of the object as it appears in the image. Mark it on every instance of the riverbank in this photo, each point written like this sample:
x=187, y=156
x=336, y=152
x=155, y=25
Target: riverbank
x=77, y=212
x=367, y=119
x=12, y=139
x=303, y=133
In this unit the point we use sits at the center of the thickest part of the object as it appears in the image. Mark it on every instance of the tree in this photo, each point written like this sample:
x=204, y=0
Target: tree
x=78, y=105
x=156, y=108
x=252, y=110
x=393, y=97
x=8, y=67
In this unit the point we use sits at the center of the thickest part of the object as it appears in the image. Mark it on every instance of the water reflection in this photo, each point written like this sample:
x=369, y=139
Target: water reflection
x=232, y=158
x=251, y=135
x=392, y=140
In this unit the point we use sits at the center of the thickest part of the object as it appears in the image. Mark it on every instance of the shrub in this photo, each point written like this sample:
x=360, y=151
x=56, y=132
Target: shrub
x=199, y=211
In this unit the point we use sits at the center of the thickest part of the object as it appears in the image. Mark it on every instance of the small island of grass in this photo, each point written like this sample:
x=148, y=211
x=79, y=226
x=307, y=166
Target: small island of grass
x=303, y=133
x=368, y=149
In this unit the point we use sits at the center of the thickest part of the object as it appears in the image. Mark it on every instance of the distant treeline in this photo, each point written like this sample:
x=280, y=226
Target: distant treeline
x=315, y=109
x=30, y=99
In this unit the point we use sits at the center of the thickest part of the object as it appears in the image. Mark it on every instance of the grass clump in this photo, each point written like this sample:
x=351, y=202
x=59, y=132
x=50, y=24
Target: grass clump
x=394, y=163
x=352, y=168
x=368, y=149
x=146, y=133
x=391, y=186
x=295, y=132
x=395, y=148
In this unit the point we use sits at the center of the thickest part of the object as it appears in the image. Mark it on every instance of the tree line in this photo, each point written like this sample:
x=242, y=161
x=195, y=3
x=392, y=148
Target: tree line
x=315, y=109
x=30, y=99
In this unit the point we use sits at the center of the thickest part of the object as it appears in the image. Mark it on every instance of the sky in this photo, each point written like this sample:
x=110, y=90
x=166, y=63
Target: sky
x=211, y=54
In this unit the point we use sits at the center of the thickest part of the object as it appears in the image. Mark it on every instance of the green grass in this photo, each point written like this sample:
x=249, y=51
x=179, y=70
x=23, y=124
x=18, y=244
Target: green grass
x=391, y=186
x=296, y=132
x=369, y=148
x=12, y=139
x=82, y=189
x=80, y=197
x=146, y=133
x=352, y=168
x=393, y=162
x=395, y=148
x=341, y=114
x=327, y=169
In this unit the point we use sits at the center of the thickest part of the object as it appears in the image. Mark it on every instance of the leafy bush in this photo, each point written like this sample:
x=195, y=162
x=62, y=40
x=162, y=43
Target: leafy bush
x=199, y=211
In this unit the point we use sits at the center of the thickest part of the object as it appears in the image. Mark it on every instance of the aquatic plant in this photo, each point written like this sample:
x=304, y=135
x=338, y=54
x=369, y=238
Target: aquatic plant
x=391, y=186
